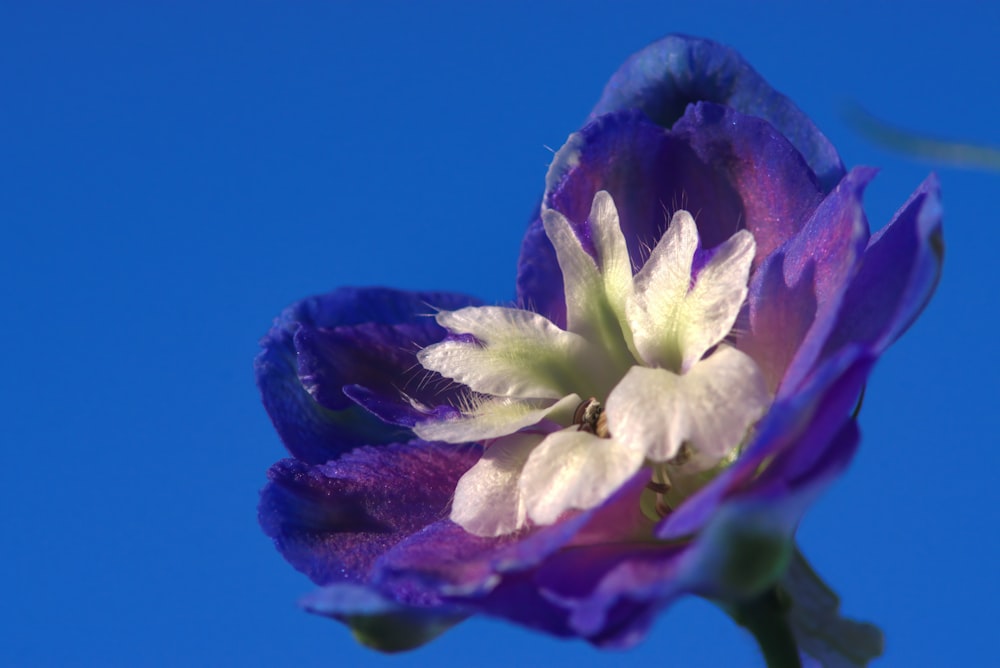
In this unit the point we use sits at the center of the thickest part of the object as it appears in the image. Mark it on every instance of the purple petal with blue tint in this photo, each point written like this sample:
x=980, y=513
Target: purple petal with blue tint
x=375, y=366
x=332, y=521
x=798, y=427
x=898, y=274
x=669, y=74
x=311, y=431
x=731, y=171
x=777, y=189
x=826, y=250
x=649, y=173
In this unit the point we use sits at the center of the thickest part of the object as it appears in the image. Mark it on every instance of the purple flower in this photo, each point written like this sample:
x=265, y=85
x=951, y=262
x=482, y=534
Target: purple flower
x=704, y=305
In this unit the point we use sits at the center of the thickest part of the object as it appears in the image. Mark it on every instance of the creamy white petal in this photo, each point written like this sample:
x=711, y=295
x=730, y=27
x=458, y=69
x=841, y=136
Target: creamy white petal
x=488, y=499
x=522, y=354
x=595, y=290
x=711, y=407
x=711, y=307
x=647, y=412
x=655, y=305
x=493, y=418
x=612, y=252
x=726, y=395
x=574, y=469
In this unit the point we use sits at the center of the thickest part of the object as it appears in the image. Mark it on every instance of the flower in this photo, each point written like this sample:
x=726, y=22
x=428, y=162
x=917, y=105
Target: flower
x=701, y=303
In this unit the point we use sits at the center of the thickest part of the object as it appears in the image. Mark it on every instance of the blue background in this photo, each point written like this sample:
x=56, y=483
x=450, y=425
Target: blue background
x=173, y=174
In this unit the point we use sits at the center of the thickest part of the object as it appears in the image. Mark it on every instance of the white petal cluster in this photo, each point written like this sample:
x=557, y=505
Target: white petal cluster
x=649, y=347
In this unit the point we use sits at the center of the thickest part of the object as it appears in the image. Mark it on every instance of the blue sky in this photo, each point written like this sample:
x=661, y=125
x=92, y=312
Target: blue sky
x=173, y=174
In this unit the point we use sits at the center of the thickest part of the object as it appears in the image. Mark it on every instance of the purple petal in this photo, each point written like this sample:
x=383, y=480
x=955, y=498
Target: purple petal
x=668, y=75
x=594, y=581
x=311, y=431
x=778, y=191
x=745, y=547
x=379, y=364
x=787, y=327
x=780, y=315
x=446, y=558
x=898, y=274
x=649, y=173
x=332, y=521
x=796, y=431
x=731, y=170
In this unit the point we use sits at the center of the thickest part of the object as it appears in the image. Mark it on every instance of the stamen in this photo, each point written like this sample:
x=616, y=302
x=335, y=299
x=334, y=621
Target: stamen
x=660, y=484
x=591, y=418
x=683, y=455
x=658, y=487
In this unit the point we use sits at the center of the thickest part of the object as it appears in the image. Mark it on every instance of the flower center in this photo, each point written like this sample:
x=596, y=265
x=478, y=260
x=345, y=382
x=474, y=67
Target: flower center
x=591, y=418
x=642, y=376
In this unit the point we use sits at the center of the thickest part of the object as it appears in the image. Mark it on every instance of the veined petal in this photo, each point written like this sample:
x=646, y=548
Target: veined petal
x=493, y=418
x=522, y=354
x=830, y=244
x=574, y=469
x=712, y=406
x=659, y=292
x=488, y=500
x=331, y=521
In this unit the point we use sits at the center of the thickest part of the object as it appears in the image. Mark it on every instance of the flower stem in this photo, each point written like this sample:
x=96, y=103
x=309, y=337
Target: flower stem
x=766, y=618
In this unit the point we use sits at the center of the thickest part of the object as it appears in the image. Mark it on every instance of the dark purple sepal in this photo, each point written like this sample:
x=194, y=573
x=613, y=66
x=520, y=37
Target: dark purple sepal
x=333, y=521
x=379, y=622
x=311, y=431
x=899, y=271
x=673, y=72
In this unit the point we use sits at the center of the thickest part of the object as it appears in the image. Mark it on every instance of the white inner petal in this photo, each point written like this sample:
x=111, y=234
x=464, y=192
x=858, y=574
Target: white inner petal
x=636, y=344
x=711, y=407
x=595, y=291
x=711, y=307
x=488, y=500
x=574, y=469
x=655, y=308
x=674, y=324
x=523, y=354
x=726, y=394
x=493, y=418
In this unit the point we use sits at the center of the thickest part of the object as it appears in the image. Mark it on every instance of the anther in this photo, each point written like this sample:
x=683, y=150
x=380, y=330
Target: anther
x=683, y=455
x=591, y=418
